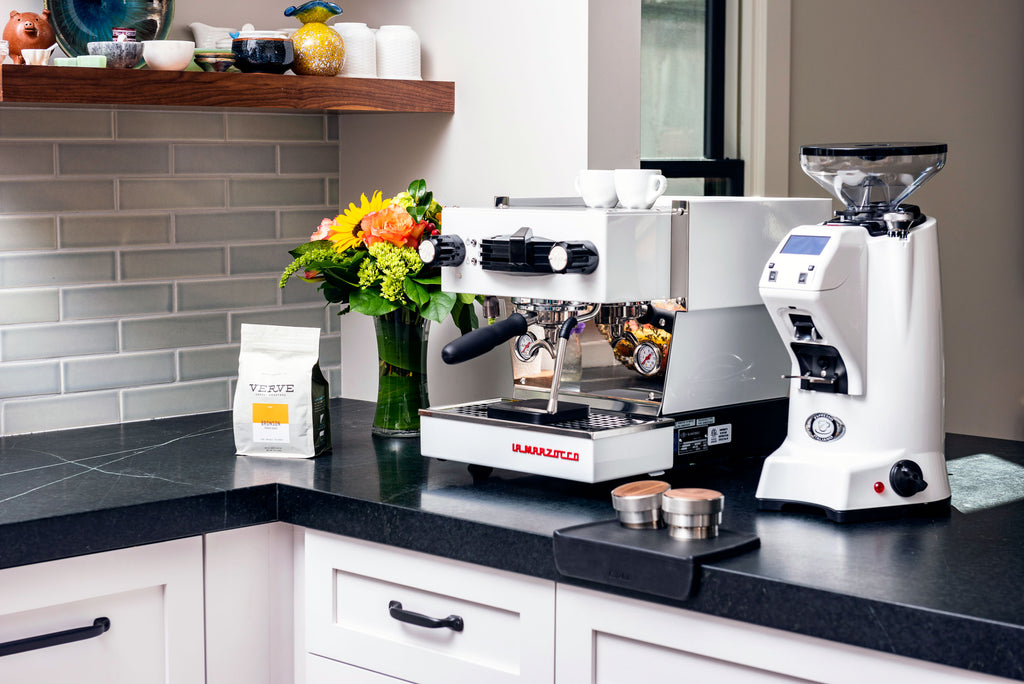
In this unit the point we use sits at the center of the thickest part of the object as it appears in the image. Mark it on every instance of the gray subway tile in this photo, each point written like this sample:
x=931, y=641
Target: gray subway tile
x=316, y=158
x=114, y=230
x=29, y=379
x=333, y=127
x=58, y=340
x=333, y=192
x=113, y=159
x=29, y=306
x=312, y=317
x=123, y=370
x=116, y=300
x=28, y=232
x=301, y=224
x=26, y=159
x=175, y=400
x=53, y=268
x=227, y=294
x=224, y=159
x=164, y=125
x=330, y=350
x=258, y=126
x=56, y=124
x=172, y=332
x=171, y=193
x=209, y=362
x=152, y=264
x=59, y=413
x=276, y=192
x=300, y=292
x=57, y=195
x=225, y=226
x=270, y=258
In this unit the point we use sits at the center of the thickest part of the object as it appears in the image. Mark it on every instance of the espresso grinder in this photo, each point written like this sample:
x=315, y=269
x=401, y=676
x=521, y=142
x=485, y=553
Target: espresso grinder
x=857, y=303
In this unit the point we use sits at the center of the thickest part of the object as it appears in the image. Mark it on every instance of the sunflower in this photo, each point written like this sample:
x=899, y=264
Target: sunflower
x=347, y=232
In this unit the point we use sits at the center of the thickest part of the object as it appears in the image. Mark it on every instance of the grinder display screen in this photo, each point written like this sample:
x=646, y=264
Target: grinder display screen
x=805, y=244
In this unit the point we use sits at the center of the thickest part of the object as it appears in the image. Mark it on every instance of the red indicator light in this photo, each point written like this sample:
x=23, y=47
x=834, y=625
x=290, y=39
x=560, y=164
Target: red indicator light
x=879, y=487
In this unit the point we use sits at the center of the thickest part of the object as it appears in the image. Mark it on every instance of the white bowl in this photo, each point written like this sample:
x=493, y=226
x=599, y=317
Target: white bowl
x=168, y=55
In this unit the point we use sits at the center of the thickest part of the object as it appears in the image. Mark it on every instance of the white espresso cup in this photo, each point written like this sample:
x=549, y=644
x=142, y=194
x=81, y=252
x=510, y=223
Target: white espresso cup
x=597, y=188
x=639, y=188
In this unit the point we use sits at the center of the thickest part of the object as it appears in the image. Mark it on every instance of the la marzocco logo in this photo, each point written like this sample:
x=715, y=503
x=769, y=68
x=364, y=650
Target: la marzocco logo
x=270, y=389
x=544, y=451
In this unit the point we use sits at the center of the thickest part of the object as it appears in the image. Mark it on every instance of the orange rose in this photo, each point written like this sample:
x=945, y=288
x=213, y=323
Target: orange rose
x=392, y=224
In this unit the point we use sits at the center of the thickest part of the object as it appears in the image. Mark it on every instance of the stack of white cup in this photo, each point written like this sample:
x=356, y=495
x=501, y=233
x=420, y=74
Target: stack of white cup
x=360, y=50
x=629, y=188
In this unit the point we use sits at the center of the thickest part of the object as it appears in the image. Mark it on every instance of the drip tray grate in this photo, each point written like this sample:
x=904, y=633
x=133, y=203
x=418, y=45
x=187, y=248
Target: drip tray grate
x=598, y=420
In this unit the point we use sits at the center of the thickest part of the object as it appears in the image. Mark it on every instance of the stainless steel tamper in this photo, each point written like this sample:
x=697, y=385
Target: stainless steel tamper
x=638, y=504
x=692, y=513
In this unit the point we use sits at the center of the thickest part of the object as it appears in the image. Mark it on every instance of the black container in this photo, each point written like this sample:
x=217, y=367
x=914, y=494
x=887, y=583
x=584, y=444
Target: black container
x=266, y=55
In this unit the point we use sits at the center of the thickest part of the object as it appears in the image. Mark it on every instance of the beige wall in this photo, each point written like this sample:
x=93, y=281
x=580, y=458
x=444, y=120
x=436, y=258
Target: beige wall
x=947, y=71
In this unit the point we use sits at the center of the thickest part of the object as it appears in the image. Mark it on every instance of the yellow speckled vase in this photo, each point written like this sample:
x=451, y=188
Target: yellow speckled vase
x=319, y=49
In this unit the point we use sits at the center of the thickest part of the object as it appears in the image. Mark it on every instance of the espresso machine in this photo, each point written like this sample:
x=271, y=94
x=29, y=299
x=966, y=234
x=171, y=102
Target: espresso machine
x=857, y=302
x=679, y=359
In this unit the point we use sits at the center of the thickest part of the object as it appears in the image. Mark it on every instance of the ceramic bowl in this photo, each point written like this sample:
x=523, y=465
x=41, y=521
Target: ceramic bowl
x=268, y=55
x=121, y=55
x=215, y=60
x=168, y=55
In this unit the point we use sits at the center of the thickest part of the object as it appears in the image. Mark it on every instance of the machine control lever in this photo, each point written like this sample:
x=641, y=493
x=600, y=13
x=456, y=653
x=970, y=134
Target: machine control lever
x=484, y=339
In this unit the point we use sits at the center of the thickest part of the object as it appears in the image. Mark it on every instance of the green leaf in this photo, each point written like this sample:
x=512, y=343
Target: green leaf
x=440, y=305
x=465, y=317
x=370, y=303
x=417, y=188
x=428, y=280
x=425, y=201
x=466, y=298
x=415, y=292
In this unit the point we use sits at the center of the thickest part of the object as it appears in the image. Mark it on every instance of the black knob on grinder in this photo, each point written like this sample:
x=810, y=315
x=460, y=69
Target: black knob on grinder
x=442, y=250
x=907, y=478
x=483, y=340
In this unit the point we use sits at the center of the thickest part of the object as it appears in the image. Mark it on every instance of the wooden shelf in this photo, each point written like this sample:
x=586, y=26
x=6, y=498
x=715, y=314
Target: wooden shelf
x=142, y=87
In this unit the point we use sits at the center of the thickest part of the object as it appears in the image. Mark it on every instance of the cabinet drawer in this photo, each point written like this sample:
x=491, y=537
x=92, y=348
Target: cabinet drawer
x=151, y=595
x=320, y=670
x=508, y=632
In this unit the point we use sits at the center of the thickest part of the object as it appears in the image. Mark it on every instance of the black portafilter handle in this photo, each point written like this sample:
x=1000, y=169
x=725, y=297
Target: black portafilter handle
x=483, y=339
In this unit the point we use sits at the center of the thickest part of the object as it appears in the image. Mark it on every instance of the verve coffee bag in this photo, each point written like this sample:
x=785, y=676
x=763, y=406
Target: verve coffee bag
x=282, y=405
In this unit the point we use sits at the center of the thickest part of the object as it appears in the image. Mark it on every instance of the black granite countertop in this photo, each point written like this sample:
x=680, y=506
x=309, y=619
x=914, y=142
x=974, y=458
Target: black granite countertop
x=944, y=590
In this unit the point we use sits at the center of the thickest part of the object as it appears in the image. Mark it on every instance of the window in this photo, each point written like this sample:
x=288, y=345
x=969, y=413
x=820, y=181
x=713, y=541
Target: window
x=682, y=83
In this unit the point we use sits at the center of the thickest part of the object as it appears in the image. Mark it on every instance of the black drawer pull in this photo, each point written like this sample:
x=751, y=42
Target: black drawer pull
x=452, y=622
x=99, y=626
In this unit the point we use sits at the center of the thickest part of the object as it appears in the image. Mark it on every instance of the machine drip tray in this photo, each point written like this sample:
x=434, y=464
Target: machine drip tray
x=535, y=411
x=645, y=561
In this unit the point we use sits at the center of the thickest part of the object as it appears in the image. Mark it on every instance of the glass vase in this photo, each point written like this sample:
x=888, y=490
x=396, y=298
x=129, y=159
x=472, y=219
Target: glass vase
x=402, y=373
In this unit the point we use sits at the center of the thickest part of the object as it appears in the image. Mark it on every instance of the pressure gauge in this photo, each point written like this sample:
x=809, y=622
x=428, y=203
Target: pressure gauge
x=647, y=358
x=524, y=347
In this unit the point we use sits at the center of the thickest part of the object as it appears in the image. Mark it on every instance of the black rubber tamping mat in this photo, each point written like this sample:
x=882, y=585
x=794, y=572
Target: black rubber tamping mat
x=535, y=411
x=645, y=561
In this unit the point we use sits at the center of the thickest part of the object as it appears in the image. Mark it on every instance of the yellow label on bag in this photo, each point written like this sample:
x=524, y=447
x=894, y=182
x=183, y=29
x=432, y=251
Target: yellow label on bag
x=270, y=422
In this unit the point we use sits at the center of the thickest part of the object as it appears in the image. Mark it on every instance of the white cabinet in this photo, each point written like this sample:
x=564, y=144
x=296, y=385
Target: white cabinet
x=507, y=632
x=151, y=595
x=606, y=639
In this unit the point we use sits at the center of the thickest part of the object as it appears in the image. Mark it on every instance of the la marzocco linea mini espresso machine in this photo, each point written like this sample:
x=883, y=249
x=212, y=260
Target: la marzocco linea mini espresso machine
x=662, y=384
x=857, y=303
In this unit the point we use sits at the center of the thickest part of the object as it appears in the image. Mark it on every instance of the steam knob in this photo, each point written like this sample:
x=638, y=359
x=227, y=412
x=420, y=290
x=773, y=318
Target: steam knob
x=573, y=257
x=907, y=478
x=442, y=250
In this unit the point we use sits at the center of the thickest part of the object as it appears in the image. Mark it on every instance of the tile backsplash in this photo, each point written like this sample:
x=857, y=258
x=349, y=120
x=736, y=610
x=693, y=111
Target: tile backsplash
x=134, y=244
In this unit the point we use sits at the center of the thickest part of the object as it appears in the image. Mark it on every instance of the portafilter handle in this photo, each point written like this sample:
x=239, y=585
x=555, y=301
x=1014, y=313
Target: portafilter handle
x=482, y=340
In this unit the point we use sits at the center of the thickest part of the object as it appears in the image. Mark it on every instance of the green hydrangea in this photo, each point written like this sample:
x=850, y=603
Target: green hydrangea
x=388, y=269
x=404, y=200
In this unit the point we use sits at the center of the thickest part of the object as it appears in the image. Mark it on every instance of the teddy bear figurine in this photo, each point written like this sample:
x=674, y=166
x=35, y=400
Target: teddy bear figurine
x=28, y=30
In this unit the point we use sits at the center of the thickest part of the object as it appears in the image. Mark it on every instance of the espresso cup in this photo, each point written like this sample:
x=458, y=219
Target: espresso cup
x=597, y=188
x=639, y=188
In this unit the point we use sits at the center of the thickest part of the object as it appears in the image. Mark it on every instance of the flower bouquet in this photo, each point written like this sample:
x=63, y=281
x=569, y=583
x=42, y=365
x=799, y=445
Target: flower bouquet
x=367, y=260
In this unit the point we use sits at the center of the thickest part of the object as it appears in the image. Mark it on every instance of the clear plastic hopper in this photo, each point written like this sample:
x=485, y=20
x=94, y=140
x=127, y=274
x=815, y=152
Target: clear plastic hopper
x=872, y=177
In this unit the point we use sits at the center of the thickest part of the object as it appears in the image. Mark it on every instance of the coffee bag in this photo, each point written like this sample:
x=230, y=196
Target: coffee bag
x=282, y=405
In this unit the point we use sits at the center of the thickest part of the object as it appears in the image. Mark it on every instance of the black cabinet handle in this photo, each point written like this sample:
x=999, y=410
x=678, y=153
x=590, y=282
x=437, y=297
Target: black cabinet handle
x=99, y=626
x=452, y=622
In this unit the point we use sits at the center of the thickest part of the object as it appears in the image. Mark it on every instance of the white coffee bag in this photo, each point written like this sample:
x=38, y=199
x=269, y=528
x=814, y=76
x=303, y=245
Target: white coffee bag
x=282, y=405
